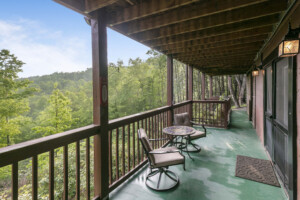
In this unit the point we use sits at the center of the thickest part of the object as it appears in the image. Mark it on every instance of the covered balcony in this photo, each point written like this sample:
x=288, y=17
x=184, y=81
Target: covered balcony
x=216, y=37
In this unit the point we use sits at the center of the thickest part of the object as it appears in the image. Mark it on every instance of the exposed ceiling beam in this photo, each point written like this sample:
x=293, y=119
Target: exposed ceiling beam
x=201, y=44
x=144, y=9
x=211, y=48
x=215, y=55
x=181, y=14
x=220, y=19
x=92, y=5
x=227, y=57
x=218, y=38
x=76, y=5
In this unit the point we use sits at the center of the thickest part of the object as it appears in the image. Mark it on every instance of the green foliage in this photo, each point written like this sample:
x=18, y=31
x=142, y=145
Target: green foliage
x=13, y=97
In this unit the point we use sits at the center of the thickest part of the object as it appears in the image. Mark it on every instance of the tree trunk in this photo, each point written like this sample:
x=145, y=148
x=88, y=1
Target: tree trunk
x=242, y=90
x=231, y=92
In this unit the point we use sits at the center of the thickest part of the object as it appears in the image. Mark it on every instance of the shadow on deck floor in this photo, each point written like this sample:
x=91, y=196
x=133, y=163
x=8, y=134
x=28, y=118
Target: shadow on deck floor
x=211, y=175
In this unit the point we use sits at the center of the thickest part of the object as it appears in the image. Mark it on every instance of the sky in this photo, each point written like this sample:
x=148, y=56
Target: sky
x=50, y=38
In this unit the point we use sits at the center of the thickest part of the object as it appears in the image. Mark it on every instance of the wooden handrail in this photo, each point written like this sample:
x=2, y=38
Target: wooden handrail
x=24, y=150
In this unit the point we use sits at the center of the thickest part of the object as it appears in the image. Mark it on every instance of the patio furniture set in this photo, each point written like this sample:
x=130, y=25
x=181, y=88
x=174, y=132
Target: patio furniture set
x=182, y=133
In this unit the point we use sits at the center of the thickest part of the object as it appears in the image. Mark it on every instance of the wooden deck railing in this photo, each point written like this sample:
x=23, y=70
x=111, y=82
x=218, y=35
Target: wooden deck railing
x=125, y=152
x=213, y=113
x=12, y=155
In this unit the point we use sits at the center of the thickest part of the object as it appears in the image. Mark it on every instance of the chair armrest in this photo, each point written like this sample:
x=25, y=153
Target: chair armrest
x=162, y=151
x=159, y=139
x=197, y=124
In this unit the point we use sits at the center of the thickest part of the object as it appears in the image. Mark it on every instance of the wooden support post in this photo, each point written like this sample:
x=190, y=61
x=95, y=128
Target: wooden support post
x=100, y=97
x=190, y=90
x=210, y=87
x=170, y=88
x=203, y=86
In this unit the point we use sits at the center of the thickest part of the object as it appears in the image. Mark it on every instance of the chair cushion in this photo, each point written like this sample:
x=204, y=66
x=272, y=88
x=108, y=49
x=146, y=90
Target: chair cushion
x=182, y=119
x=197, y=134
x=145, y=141
x=166, y=159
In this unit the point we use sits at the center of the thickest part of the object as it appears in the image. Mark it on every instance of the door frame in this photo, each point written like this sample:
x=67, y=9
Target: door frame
x=292, y=124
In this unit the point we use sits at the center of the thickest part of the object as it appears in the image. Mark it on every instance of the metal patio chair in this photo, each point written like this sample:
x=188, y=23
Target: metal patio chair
x=183, y=119
x=159, y=162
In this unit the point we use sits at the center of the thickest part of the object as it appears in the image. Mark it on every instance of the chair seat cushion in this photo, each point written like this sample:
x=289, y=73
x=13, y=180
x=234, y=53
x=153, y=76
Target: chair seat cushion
x=166, y=159
x=197, y=134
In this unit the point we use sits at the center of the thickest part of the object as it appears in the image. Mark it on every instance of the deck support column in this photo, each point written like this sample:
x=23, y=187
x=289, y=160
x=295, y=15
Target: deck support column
x=170, y=86
x=190, y=89
x=100, y=104
x=203, y=86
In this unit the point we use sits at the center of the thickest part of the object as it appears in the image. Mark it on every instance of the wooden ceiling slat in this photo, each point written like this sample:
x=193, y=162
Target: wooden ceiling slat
x=181, y=14
x=228, y=57
x=219, y=38
x=253, y=44
x=76, y=5
x=201, y=44
x=147, y=8
x=220, y=19
x=220, y=55
x=92, y=5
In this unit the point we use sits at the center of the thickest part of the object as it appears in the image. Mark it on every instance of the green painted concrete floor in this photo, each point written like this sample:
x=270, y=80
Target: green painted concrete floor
x=211, y=175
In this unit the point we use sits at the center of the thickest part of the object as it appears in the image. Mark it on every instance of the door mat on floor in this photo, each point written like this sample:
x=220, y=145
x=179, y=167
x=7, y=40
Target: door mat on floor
x=256, y=170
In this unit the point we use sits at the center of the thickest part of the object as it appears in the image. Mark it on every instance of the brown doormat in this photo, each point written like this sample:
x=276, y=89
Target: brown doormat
x=256, y=170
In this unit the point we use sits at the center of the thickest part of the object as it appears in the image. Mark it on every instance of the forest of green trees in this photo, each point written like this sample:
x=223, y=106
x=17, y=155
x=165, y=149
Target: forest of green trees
x=39, y=106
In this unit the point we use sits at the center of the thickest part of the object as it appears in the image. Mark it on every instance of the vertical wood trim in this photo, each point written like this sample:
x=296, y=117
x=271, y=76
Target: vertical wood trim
x=78, y=170
x=170, y=87
x=15, y=182
x=100, y=70
x=87, y=172
x=202, y=86
x=66, y=169
x=51, y=175
x=34, y=177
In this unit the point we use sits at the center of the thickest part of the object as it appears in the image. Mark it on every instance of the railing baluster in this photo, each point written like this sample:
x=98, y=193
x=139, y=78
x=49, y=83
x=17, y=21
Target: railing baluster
x=51, y=174
x=110, y=158
x=128, y=147
x=34, y=177
x=15, y=182
x=117, y=153
x=66, y=174
x=87, y=163
x=78, y=170
x=133, y=143
x=123, y=151
x=138, y=144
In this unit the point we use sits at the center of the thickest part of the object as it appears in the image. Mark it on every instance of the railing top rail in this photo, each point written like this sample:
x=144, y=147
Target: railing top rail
x=182, y=103
x=210, y=101
x=24, y=150
x=133, y=118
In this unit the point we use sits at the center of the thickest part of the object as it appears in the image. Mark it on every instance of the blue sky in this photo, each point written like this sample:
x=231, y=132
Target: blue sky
x=51, y=38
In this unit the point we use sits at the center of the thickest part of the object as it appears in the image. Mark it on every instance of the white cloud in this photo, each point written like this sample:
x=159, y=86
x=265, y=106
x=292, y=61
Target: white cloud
x=44, y=51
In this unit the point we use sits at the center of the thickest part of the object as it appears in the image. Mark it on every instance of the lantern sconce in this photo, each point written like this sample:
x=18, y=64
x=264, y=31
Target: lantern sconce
x=255, y=72
x=289, y=46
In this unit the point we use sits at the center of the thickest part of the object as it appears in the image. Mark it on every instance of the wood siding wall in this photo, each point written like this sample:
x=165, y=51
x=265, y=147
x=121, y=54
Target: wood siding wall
x=259, y=105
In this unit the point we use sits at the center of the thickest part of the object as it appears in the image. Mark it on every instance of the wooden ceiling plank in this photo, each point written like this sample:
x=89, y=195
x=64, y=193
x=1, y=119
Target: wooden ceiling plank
x=201, y=44
x=238, y=53
x=197, y=32
x=220, y=19
x=145, y=9
x=219, y=38
x=200, y=49
x=194, y=11
x=92, y=5
x=76, y=5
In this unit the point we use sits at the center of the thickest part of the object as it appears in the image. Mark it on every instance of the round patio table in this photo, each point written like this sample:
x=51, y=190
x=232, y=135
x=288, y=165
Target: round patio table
x=180, y=131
